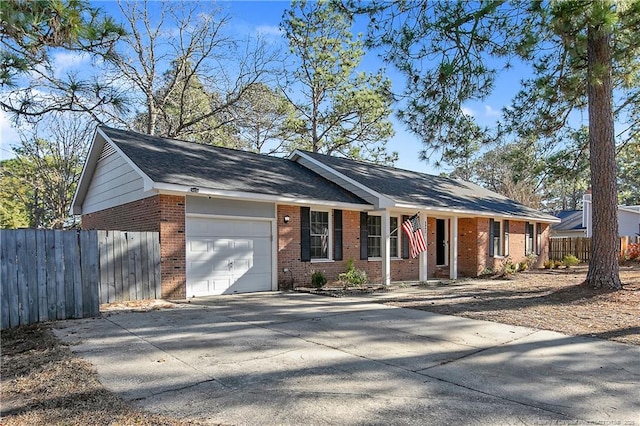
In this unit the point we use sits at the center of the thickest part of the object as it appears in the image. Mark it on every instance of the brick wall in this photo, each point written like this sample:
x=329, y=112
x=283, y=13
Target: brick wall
x=173, y=247
x=300, y=272
x=137, y=216
x=468, y=247
x=161, y=213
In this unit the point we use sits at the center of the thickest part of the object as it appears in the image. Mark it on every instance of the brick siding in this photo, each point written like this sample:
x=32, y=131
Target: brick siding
x=166, y=214
x=299, y=273
x=161, y=213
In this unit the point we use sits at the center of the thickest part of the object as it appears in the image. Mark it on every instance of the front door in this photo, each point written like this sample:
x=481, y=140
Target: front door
x=441, y=242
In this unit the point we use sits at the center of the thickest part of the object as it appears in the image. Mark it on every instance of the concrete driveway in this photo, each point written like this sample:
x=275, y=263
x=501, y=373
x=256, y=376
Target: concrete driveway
x=286, y=358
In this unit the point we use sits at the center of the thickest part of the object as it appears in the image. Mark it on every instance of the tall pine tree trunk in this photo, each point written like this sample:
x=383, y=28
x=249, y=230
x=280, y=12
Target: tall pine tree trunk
x=603, y=266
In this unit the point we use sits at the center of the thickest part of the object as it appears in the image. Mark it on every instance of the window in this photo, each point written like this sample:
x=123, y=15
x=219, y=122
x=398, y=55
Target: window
x=495, y=242
x=538, y=238
x=374, y=241
x=528, y=242
x=394, y=236
x=319, y=235
x=498, y=238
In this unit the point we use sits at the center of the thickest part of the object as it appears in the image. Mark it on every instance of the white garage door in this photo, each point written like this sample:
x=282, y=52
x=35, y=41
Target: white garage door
x=227, y=256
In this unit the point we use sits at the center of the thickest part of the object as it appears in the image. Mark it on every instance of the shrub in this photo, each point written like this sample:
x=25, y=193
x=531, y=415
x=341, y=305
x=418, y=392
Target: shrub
x=353, y=277
x=570, y=260
x=486, y=271
x=633, y=251
x=510, y=268
x=528, y=261
x=318, y=280
x=548, y=264
x=557, y=264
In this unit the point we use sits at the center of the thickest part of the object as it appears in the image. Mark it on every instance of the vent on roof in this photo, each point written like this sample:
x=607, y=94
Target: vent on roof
x=107, y=150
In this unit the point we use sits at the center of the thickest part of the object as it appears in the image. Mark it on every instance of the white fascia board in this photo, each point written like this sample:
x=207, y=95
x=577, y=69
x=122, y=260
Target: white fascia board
x=630, y=209
x=473, y=213
x=383, y=201
x=171, y=188
x=88, y=169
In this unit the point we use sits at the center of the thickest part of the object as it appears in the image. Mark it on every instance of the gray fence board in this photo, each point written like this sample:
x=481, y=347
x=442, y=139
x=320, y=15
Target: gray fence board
x=41, y=275
x=69, y=249
x=4, y=283
x=52, y=294
x=48, y=275
x=156, y=265
x=58, y=252
x=32, y=278
x=23, y=297
x=12, y=264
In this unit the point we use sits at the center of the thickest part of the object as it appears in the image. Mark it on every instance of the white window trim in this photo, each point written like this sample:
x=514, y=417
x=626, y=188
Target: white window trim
x=500, y=253
x=329, y=257
x=398, y=254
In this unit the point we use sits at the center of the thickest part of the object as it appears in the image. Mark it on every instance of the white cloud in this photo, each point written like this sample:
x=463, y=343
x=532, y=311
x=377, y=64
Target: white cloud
x=64, y=61
x=8, y=136
x=468, y=111
x=490, y=112
x=269, y=30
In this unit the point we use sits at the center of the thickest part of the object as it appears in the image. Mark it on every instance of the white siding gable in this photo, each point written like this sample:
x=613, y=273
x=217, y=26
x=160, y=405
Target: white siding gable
x=114, y=182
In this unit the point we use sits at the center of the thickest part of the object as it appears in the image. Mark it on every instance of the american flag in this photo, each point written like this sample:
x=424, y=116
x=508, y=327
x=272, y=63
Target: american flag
x=413, y=230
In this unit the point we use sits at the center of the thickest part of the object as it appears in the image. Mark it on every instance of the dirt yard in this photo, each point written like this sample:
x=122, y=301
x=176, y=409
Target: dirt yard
x=43, y=383
x=545, y=299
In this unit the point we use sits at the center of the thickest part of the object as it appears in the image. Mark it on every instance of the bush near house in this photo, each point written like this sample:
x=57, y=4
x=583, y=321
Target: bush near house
x=570, y=260
x=633, y=251
x=353, y=277
x=318, y=279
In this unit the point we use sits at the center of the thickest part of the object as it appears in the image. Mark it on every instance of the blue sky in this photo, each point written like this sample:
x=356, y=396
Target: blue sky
x=263, y=17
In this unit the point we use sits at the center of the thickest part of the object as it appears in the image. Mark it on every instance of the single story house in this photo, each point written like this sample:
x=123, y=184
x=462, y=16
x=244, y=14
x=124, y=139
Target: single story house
x=570, y=225
x=233, y=221
x=628, y=218
x=577, y=223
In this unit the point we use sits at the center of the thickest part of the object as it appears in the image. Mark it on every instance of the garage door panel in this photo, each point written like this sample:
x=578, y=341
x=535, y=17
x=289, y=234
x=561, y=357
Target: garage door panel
x=203, y=227
x=228, y=256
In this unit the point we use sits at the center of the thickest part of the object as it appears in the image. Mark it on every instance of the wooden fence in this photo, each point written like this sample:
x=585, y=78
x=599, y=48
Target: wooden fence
x=580, y=247
x=47, y=275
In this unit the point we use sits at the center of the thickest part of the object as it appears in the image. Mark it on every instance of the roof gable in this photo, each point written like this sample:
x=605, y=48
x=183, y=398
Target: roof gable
x=189, y=164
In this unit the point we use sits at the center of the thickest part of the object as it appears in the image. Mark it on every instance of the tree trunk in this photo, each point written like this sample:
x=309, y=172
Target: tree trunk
x=603, y=266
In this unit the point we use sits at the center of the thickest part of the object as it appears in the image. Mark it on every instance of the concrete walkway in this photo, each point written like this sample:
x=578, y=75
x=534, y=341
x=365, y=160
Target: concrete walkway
x=283, y=358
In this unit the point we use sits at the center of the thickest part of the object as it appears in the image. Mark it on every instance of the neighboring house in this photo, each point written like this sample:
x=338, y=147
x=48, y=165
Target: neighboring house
x=570, y=225
x=628, y=218
x=233, y=221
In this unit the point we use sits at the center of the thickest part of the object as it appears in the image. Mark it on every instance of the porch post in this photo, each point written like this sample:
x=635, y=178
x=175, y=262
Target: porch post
x=453, y=249
x=424, y=271
x=386, y=248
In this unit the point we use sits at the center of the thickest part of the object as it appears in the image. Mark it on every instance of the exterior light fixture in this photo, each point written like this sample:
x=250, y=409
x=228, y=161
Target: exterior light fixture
x=194, y=189
x=287, y=218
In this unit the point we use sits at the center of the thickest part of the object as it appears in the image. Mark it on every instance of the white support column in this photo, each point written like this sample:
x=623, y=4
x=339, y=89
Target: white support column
x=453, y=249
x=424, y=271
x=386, y=248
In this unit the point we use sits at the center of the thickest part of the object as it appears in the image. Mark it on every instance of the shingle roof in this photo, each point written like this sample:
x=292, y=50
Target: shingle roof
x=413, y=188
x=206, y=166
x=571, y=220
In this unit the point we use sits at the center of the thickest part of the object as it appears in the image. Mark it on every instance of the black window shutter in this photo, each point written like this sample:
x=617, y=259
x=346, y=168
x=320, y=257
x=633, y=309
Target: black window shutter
x=405, y=239
x=491, y=237
x=337, y=234
x=305, y=234
x=364, y=235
